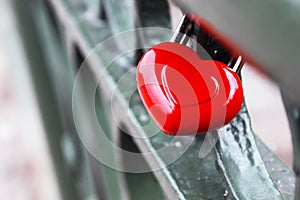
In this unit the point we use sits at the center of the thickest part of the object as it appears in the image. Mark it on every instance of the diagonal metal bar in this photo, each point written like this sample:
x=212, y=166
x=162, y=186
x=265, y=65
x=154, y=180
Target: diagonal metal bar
x=293, y=113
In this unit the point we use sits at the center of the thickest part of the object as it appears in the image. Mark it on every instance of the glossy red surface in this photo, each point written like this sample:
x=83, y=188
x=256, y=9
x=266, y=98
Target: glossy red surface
x=184, y=94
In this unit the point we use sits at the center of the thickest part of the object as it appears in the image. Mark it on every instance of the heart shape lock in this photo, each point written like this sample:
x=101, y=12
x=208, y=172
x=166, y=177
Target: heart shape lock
x=184, y=94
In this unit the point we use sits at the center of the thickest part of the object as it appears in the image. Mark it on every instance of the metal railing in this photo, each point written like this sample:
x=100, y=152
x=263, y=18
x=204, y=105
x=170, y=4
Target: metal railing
x=62, y=38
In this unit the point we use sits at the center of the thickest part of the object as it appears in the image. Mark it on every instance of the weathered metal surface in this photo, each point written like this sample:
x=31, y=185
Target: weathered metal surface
x=267, y=31
x=241, y=163
x=188, y=177
x=293, y=113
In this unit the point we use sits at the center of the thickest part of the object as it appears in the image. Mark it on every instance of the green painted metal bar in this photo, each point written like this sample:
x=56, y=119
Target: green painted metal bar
x=69, y=157
x=267, y=31
x=241, y=162
x=293, y=113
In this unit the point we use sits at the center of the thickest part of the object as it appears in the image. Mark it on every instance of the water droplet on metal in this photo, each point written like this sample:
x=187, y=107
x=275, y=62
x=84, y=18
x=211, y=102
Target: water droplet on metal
x=272, y=169
x=225, y=193
x=296, y=113
x=143, y=118
x=177, y=144
x=68, y=149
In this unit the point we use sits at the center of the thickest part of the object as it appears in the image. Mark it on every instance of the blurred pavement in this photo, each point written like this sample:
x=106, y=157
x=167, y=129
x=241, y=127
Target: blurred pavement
x=26, y=171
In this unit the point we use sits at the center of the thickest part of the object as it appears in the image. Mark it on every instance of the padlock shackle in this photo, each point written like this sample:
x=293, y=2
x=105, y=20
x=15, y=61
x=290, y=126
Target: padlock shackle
x=183, y=31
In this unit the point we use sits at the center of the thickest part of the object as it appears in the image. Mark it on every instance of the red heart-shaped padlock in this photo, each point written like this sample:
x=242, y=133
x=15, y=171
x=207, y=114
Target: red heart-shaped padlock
x=184, y=94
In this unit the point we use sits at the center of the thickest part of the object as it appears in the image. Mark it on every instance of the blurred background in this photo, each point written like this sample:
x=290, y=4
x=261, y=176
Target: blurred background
x=26, y=170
